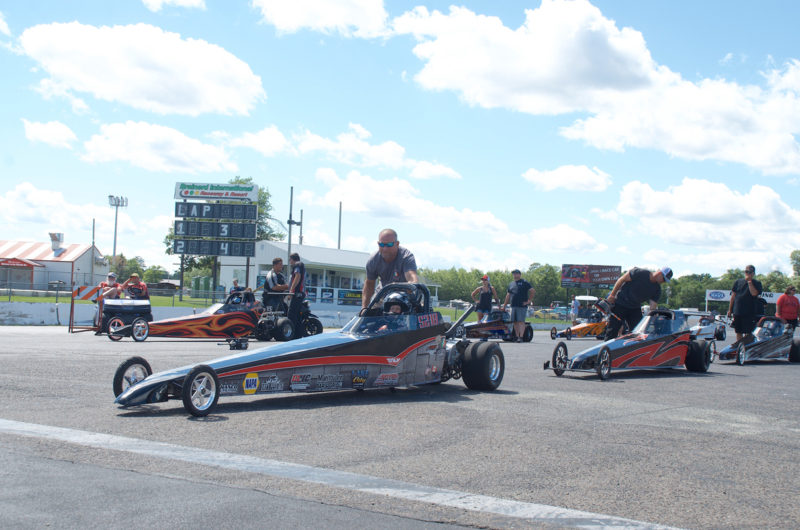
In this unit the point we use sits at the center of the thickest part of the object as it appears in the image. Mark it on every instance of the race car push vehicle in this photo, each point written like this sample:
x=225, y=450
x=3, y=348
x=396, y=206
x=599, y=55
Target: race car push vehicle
x=662, y=339
x=595, y=327
x=771, y=340
x=233, y=320
x=496, y=325
x=398, y=341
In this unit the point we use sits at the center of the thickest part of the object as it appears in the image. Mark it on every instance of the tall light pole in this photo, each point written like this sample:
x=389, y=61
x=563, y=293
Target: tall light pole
x=116, y=202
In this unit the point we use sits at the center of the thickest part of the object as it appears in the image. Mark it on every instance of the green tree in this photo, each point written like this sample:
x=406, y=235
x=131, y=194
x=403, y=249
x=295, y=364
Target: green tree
x=124, y=267
x=794, y=257
x=154, y=274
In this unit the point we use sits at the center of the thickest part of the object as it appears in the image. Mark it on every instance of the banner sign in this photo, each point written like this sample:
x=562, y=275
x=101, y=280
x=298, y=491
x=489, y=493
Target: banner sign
x=208, y=229
x=718, y=295
x=212, y=192
x=213, y=247
x=199, y=210
x=590, y=276
x=348, y=297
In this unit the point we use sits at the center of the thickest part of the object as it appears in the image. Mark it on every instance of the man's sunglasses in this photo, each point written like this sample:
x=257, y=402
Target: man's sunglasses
x=389, y=244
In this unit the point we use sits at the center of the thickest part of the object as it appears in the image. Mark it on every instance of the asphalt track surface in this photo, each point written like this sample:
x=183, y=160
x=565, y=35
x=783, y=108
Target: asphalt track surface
x=671, y=448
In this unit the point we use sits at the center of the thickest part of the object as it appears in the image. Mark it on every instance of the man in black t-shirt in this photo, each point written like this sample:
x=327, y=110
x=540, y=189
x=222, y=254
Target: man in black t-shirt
x=521, y=294
x=629, y=293
x=275, y=287
x=745, y=303
x=297, y=288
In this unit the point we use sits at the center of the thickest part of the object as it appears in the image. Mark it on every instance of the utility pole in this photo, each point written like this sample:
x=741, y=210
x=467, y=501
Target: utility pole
x=291, y=222
x=116, y=202
x=339, y=241
x=301, y=227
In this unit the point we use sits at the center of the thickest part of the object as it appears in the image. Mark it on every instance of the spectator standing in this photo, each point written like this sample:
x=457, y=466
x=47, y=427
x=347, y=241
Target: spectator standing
x=788, y=306
x=483, y=295
x=575, y=308
x=297, y=291
x=744, y=303
x=521, y=293
x=275, y=287
x=391, y=263
x=630, y=291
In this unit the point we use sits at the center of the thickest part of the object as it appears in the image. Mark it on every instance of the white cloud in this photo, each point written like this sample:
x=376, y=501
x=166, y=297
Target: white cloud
x=567, y=57
x=446, y=254
x=144, y=67
x=49, y=211
x=49, y=89
x=569, y=177
x=156, y=5
x=710, y=215
x=4, y=26
x=53, y=133
x=352, y=148
x=558, y=238
x=350, y=18
x=155, y=148
x=269, y=141
x=398, y=200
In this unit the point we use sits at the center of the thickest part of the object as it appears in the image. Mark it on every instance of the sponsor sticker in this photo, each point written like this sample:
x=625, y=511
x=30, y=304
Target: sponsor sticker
x=329, y=382
x=228, y=388
x=387, y=380
x=250, y=383
x=300, y=381
x=428, y=320
x=271, y=384
x=360, y=378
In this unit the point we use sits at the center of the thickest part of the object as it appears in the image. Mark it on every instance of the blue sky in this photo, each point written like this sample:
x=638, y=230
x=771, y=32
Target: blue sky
x=488, y=134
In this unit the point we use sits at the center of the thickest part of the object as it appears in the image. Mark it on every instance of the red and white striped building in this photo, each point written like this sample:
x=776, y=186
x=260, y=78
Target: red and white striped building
x=34, y=265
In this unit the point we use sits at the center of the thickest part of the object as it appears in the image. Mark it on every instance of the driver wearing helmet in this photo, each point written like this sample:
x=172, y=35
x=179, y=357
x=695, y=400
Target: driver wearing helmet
x=396, y=304
x=395, y=307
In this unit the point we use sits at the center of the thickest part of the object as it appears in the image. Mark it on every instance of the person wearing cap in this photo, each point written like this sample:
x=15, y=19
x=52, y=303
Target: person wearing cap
x=109, y=288
x=521, y=294
x=744, y=303
x=483, y=295
x=631, y=290
x=135, y=289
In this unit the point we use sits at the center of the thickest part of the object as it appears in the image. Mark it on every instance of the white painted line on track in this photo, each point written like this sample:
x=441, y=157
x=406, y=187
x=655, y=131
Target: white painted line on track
x=339, y=479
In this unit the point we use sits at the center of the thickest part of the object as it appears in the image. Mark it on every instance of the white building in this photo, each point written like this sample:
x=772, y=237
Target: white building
x=34, y=265
x=334, y=278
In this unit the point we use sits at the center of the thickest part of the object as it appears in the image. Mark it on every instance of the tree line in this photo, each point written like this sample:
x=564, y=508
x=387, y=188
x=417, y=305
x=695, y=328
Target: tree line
x=686, y=291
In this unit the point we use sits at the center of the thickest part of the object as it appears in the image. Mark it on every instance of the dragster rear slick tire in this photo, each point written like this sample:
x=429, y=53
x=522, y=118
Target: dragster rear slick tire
x=483, y=366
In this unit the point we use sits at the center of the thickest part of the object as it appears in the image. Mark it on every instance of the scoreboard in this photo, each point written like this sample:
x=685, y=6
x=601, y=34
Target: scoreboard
x=209, y=229
x=214, y=247
x=236, y=212
x=214, y=229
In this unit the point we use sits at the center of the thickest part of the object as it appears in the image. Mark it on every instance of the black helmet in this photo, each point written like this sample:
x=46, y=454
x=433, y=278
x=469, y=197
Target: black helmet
x=396, y=299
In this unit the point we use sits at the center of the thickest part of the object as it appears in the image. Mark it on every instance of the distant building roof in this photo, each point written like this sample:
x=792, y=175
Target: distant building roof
x=31, y=250
x=319, y=256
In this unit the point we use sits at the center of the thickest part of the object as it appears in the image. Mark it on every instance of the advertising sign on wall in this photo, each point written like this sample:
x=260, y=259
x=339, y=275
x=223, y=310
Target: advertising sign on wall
x=590, y=276
x=349, y=297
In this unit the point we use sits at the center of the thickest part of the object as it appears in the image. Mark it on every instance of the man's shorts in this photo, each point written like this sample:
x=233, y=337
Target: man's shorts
x=744, y=323
x=519, y=314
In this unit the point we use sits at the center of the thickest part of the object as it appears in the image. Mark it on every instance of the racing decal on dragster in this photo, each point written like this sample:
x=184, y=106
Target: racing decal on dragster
x=669, y=352
x=427, y=320
x=332, y=360
x=236, y=324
